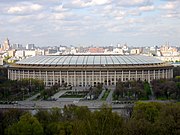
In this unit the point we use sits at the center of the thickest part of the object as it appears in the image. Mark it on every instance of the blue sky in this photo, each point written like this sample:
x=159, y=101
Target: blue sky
x=90, y=22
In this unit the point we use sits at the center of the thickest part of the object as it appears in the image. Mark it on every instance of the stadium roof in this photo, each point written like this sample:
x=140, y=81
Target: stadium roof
x=85, y=60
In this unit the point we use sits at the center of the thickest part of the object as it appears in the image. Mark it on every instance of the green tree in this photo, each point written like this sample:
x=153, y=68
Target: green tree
x=147, y=111
x=28, y=125
x=106, y=122
x=168, y=121
x=10, y=117
x=138, y=127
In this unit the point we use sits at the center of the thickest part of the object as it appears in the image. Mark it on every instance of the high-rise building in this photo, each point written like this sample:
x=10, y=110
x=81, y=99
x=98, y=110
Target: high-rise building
x=6, y=45
x=16, y=46
x=30, y=46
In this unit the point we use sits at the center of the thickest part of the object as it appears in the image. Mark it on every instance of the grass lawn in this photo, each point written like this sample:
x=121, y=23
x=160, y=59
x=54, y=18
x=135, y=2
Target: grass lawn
x=106, y=93
x=72, y=94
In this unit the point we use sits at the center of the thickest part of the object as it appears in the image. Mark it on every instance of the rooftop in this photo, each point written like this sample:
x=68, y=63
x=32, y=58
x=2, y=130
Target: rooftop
x=90, y=60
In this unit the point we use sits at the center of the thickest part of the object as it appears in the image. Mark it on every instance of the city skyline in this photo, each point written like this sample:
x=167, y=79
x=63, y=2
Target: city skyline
x=90, y=22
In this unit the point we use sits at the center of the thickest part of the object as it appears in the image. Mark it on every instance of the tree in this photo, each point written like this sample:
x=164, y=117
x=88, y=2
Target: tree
x=28, y=125
x=168, y=121
x=147, y=111
x=107, y=122
x=10, y=117
x=138, y=127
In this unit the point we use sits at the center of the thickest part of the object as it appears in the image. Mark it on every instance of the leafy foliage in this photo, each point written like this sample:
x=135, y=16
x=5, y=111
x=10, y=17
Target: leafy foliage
x=168, y=89
x=147, y=119
x=132, y=90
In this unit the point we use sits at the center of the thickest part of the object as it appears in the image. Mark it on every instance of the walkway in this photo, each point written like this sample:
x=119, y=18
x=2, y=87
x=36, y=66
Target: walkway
x=60, y=93
x=101, y=95
x=110, y=96
x=33, y=97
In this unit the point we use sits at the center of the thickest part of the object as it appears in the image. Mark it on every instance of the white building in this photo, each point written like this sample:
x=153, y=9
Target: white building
x=30, y=46
x=135, y=51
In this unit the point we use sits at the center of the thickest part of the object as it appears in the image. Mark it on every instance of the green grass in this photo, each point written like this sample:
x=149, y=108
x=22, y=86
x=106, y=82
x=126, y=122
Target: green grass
x=106, y=93
x=72, y=96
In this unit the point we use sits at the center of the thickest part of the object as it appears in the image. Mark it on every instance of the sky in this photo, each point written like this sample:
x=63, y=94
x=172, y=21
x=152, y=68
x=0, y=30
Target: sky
x=90, y=22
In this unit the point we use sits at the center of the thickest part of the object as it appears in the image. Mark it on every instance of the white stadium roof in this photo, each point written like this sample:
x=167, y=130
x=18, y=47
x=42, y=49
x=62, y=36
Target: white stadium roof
x=85, y=60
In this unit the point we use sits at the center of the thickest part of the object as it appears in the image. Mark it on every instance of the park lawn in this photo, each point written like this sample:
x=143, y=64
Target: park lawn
x=72, y=96
x=106, y=93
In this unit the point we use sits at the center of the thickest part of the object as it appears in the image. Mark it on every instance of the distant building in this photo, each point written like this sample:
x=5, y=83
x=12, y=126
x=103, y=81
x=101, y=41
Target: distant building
x=30, y=46
x=16, y=46
x=20, y=53
x=1, y=61
x=118, y=50
x=125, y=48
x=135, y=51
x=11, y=53
x=96, y=50
x=169, y=58
x=169, y=51
x=6, y=45
x=51, y=51
x=29, y=53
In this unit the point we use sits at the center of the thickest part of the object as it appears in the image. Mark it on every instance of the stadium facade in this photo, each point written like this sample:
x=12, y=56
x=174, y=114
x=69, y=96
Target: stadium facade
x=88, y=70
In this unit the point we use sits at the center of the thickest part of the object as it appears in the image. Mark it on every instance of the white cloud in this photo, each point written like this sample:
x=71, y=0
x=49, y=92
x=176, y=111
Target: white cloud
x=100, y=17
x=134, y=2
x=85, y=3
x=24, y=8
x=168, y=6
x=171, y=15
x=147, y=8
x=59, y=8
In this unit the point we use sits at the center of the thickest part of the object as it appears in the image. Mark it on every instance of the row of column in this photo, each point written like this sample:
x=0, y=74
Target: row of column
x=16, y=74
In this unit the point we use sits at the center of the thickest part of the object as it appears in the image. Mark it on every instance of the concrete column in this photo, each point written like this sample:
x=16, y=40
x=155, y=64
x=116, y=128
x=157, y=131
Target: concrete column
x=100, y=77
x=136, y=76
x=171, y=73
x=129, y=76
x=92, y=78
x=40, y=76
x=82, y=78
x=75, y=79
x=18, y=75
x=12, y=74
x=159, y=74
x=15, y=76
x=85, y=78
x=53, y=78
x=115, y=77
x=122, y=76
x=46, y=78
x=149, y=79
x=60, y=78
x=8, y=74
x=34, y=74
x=23, y=74
x=107, y=78
x=154, y=74
x=142, y=75
x=28, y=74
x=166, y=74
x=67, y=78
x=163, y=74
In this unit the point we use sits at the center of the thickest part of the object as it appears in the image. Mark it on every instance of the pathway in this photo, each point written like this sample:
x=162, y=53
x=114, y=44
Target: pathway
x=60, y=93
x=33, y=97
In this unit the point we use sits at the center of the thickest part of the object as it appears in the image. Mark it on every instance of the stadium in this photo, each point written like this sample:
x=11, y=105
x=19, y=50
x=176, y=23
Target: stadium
x=88, y=70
